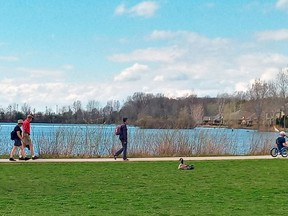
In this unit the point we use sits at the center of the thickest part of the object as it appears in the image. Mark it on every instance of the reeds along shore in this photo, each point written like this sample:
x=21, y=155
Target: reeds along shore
x=100, y=142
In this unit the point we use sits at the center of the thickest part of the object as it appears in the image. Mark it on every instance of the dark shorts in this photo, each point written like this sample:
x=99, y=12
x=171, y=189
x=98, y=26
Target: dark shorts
x=17, y=142
x=280, y=147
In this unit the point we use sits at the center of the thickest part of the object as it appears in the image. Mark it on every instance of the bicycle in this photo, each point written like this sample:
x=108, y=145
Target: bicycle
x=274, y=152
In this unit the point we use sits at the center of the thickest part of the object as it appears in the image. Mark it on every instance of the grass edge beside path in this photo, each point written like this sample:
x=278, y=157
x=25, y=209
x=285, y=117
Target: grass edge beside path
x=143, y=159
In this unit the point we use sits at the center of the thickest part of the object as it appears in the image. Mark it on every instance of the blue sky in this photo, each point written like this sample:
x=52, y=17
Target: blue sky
x=53, y=53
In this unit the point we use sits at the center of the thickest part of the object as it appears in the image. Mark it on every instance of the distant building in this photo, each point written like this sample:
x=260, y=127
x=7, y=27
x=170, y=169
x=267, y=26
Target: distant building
x=213, y=120
x=240, y=117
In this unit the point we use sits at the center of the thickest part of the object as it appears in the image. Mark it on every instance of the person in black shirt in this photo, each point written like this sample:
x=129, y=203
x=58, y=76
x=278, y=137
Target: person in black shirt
x=124, y=141
x=18, y=142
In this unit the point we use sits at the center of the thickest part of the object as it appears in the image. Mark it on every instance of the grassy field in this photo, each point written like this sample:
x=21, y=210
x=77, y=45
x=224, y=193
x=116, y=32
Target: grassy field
x=240, y=187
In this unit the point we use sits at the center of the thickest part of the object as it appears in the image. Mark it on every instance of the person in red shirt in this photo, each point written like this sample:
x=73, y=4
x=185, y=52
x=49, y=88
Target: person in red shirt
x=27, y=142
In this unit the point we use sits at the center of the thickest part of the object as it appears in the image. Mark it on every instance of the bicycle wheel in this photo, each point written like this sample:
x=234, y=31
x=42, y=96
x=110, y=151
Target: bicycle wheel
x=284, y=152
x=274, y=152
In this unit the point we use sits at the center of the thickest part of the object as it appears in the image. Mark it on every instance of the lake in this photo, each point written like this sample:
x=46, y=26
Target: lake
x=99, y=140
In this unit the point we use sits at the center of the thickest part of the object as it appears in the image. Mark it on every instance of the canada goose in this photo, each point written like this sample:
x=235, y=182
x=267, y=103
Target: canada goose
x=183, y=166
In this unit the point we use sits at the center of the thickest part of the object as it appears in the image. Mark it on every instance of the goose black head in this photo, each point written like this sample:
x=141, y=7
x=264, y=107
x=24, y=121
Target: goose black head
x=181, y=160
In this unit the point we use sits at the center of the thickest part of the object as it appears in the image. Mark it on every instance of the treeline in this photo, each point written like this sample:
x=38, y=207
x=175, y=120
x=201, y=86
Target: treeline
x=266, y=100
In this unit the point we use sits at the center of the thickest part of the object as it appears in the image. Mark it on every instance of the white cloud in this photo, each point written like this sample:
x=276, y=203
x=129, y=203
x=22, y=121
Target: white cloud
x=276, y=35
x=159, y=78
x=158, y=35
x=201, y=65
x=146, y=9
x=241, y=86
x=167, y=54
x=191, y=43
x=282, y=4
x=41, y=73
x=50, y=94
x=186, y=36
x=260, y=60
x=269, y=74
x=120, y=10
x=132, y=73
x=176, y=92
x=178, y=77
x=171, y=77
x=143, y=9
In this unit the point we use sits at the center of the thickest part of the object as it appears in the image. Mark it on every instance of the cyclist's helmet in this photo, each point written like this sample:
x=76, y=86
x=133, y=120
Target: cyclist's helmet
x=282, y=133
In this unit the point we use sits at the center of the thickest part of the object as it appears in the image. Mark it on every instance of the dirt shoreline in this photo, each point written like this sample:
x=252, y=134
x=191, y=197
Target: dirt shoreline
x=70, y=160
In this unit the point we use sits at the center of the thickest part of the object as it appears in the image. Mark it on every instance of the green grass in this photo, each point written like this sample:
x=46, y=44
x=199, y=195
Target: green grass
x=236, y=187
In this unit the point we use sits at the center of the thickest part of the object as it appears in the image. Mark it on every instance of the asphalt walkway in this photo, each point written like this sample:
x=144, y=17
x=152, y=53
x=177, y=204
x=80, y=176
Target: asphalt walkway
x=69, y=160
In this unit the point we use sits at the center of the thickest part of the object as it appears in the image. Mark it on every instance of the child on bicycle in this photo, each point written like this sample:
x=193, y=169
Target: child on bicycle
x=281, y=141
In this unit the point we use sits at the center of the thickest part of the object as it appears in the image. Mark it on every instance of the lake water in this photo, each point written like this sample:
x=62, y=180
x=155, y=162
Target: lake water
x=99, y=140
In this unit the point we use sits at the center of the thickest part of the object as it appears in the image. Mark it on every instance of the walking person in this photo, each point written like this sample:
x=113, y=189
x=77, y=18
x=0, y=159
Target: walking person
x=26, y=136
x=124, y=141
x=18, y=142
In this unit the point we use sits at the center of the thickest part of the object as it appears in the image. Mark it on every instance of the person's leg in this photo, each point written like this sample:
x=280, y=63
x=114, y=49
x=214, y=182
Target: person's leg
x=12, y=153
x=20, y=153
x=28, y=142
x=31, y=149
x=279, y=148
x=119, y=152
x=34, y=157
x=124, y=144
x=25, y=141
x=23, y=154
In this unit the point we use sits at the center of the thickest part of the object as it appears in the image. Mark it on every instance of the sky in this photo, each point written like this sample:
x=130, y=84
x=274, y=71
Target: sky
x=53, y=53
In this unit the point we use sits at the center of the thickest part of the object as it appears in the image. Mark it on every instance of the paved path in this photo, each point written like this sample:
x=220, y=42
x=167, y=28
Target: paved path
x=142, y=159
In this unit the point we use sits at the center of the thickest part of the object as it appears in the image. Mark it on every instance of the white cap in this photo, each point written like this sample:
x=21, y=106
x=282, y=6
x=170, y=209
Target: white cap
x=282, y=133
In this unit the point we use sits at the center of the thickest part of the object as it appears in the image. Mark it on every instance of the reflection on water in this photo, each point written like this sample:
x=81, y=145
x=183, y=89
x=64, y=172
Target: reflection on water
x=99, y=140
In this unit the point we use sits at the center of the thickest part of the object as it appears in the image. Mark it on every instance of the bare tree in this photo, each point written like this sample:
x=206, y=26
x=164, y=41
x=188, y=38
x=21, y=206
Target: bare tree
x=221, y=100
x=197, y=112
x=116, y=105
x=257, y=94
x=26, y=108
x=272, y=93
x=92, y=105
x=281, y=85
x=77, y=106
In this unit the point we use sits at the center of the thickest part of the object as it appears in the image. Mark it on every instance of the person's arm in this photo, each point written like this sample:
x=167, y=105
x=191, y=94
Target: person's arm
x=283, y=141
x=19, y=134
